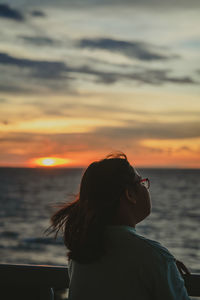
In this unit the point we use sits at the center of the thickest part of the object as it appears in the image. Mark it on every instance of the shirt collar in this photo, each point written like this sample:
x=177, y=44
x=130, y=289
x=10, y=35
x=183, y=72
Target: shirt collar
x=121, y=227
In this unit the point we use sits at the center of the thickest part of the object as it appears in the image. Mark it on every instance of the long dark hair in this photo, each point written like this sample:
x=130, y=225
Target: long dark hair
x=84, y=219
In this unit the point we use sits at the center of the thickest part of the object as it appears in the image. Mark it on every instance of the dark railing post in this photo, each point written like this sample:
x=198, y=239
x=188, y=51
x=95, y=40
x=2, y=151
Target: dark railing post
x=31, y=282
x=24, y=293
x=192, y=283
x=35, y=282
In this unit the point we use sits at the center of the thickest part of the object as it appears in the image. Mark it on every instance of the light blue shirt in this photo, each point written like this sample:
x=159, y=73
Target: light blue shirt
x=134, y=268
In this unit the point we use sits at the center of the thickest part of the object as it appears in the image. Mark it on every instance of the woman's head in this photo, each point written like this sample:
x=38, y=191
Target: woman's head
x=104, y=183
x=108, y=187
x=110, y=193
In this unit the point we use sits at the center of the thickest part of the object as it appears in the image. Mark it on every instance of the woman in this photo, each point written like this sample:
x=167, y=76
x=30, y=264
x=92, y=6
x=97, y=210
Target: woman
x=107, y=258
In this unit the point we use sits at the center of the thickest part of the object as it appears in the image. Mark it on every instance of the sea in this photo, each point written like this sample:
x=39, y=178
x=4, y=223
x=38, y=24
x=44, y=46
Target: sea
x=28, y=198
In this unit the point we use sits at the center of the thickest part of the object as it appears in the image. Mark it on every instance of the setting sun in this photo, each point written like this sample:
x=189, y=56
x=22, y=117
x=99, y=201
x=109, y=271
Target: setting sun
x=50, y=161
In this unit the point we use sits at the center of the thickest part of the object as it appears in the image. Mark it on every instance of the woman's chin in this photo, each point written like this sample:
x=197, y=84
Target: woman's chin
x=143, y=217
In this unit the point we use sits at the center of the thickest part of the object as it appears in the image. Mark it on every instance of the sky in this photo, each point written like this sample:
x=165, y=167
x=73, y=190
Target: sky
x=81, y=79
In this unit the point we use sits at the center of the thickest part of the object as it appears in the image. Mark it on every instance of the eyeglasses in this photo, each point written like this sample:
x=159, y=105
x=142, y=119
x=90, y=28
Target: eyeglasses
x=145, y=182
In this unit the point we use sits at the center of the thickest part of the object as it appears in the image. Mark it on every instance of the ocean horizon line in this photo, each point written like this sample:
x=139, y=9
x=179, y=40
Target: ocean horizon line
x=84, y=167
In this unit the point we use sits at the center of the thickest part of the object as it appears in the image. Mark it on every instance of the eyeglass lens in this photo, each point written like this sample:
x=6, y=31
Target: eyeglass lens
x=145, y=182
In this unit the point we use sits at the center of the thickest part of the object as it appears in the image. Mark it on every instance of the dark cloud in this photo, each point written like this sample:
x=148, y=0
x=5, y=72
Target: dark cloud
x=39, y=68
x=174, y=113
x=37, y=13
x=153, y=77
x=143, y=76
x=182, y=80
x=12, y=88
x=152, y=130
x=155, y=5
x=55, y=75
x=185, y=148
x=10, y=13
x=38, y=40
x=18, y=137
x=139, y=50
x=155, y=150
x=3, y=100
x=5, y=122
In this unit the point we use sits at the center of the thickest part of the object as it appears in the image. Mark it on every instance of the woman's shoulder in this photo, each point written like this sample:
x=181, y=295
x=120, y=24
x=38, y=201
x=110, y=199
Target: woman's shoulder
x=131, y=238
x=156, y=247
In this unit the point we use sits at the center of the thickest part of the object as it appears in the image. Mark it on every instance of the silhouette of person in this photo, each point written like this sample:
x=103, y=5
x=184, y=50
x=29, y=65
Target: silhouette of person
x=108, y=259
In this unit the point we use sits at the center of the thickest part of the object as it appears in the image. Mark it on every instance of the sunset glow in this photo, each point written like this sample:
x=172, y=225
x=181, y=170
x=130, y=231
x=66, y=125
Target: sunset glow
x=50, y=161
x=81, y=79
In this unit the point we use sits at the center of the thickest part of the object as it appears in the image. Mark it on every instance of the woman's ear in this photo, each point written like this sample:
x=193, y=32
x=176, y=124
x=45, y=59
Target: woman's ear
x=130, y=196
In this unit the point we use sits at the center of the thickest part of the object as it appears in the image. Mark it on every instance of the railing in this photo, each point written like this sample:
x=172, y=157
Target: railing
x=36, y=282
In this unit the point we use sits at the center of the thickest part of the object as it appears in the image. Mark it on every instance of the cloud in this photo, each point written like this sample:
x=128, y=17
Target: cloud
x=12, y=88
x=38, y=13
x=3, y=100
x=185, y=148
x=5, y=122
x=39, y=68
x=152, y=130
x=10, y=13
x=17, y=137
x=59, y=144
x=146, y=76
x=141, y=76
x=57, y=75
x=39, y=40
x=103, y=139
x=134, y=130
x=148, y=4
x=140, y=50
